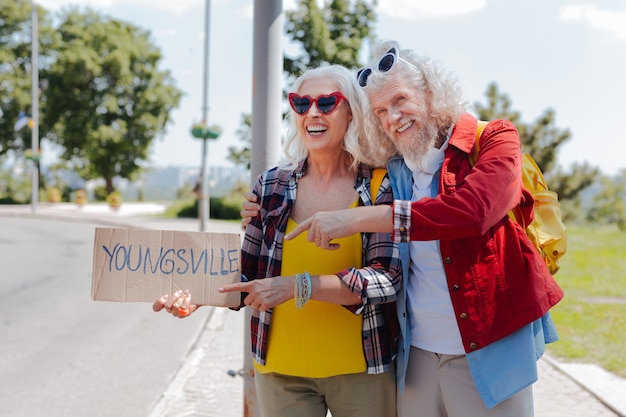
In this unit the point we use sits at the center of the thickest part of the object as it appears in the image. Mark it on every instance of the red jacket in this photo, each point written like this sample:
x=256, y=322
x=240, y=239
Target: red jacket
x=497, y=280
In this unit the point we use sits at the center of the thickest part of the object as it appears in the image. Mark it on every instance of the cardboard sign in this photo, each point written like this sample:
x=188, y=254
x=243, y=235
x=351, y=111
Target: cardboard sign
x=143, y=265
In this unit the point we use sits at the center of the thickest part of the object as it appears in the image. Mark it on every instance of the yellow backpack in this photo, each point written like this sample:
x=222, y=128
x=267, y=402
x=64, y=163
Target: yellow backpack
x=375, y=182
x=547, y=231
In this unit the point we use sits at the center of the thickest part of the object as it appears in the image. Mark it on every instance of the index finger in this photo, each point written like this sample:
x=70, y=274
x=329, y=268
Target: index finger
x=251, y=197
x=302, y=227
x=238, y=286
x=159, y=303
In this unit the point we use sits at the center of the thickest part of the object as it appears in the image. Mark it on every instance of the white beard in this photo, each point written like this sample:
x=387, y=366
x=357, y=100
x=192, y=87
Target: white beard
x=415, y=147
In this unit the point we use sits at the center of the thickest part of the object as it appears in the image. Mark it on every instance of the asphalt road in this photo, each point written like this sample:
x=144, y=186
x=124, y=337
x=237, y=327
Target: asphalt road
x=63, y=355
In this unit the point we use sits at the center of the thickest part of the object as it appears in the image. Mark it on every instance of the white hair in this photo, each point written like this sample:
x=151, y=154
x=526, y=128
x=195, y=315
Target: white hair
x=443, y=95
x=363, y=137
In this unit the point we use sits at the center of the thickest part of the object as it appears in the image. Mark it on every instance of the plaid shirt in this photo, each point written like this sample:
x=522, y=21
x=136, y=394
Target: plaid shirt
x=401, y=221
x=377, y=282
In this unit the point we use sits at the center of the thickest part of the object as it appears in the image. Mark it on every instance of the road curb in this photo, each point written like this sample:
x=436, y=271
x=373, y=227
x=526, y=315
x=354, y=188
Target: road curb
x=602, y=386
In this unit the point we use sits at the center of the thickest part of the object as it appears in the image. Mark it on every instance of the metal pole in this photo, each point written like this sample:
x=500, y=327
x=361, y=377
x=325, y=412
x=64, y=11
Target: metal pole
x=267, y=84
x=34, y=63
x=203, y=197
x=266, y=131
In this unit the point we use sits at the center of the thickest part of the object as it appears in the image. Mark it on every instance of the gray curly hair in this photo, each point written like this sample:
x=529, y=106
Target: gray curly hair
x=442, y=91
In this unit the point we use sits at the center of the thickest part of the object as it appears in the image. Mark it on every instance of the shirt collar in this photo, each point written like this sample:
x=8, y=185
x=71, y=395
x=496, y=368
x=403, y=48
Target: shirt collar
x=431, y=161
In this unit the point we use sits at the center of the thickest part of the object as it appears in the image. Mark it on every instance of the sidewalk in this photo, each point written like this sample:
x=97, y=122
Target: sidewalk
x=204, y=386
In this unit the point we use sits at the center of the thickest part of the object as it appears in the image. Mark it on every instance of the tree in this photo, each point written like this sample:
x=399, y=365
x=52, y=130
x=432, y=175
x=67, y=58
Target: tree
x=610, y=202
x=16, y=70
x=107, y=100
x=242, y=156
x=331, y=34
x=541, y=139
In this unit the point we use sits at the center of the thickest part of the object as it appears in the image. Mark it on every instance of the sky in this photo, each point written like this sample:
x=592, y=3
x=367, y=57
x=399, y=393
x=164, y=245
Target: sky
x=564, y=55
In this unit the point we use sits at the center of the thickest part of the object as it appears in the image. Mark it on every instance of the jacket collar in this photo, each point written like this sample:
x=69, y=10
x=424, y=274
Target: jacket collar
x=464, y=133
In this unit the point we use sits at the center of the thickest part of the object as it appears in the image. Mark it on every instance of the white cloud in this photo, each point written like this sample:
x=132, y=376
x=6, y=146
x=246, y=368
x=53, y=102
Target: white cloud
x=291, y=4
x=422, y=9
x=247, y=12
x=55, y=5
x=171, y=32
x=611, y=20
x=416, y=9
x=171, y=6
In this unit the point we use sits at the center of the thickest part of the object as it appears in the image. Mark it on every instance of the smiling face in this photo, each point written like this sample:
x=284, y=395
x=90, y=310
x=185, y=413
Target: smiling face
x=403, y=113
x=323, y=132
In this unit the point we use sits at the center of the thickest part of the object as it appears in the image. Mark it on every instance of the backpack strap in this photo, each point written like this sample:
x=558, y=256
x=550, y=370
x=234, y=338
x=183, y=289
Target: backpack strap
x=515, y=213
x=377, y=179
x=473, y=157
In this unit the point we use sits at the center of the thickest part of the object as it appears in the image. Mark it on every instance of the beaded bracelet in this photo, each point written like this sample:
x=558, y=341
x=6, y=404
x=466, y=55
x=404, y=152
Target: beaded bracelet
x=302, y=289
x=309, y=288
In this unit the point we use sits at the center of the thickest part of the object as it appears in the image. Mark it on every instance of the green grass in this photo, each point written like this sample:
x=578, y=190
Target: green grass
x=591, y=319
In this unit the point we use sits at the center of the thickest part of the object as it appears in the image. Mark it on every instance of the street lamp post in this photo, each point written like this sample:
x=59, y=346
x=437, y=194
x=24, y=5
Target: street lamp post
x=203, y=198
x=34, y=63
x=201, y=131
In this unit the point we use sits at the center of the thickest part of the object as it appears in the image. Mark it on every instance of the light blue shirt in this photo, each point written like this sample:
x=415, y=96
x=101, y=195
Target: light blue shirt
x=495, y=375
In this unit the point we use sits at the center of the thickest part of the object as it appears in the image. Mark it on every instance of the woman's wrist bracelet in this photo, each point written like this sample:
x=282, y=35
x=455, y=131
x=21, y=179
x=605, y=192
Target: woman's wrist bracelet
x=302, y=289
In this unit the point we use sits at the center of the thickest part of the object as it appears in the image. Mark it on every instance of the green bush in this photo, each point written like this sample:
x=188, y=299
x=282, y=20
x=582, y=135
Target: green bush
x=222, y=208
x=100, y=193
x=189, y=211
x=9, y=200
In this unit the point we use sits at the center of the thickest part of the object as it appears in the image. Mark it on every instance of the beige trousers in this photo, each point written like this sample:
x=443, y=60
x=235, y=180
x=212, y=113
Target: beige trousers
x=442, y=386
x=352, y=395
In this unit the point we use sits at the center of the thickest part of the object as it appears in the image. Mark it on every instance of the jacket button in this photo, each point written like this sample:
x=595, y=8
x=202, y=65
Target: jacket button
x=473, y=345
x=447, y=260
x=463, y=316
x=455, y=287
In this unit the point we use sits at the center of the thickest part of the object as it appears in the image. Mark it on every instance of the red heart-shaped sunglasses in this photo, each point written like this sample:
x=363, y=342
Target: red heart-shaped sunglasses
x=325, y=103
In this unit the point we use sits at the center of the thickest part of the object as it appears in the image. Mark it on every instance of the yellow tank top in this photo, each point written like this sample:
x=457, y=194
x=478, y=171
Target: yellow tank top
x=320, y=339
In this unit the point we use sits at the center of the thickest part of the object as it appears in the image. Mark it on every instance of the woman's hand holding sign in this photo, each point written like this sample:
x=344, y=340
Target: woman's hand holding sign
x=177, y=304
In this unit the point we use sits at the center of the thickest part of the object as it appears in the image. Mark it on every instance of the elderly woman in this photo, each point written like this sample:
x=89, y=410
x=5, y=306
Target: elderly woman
x=323, y=324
